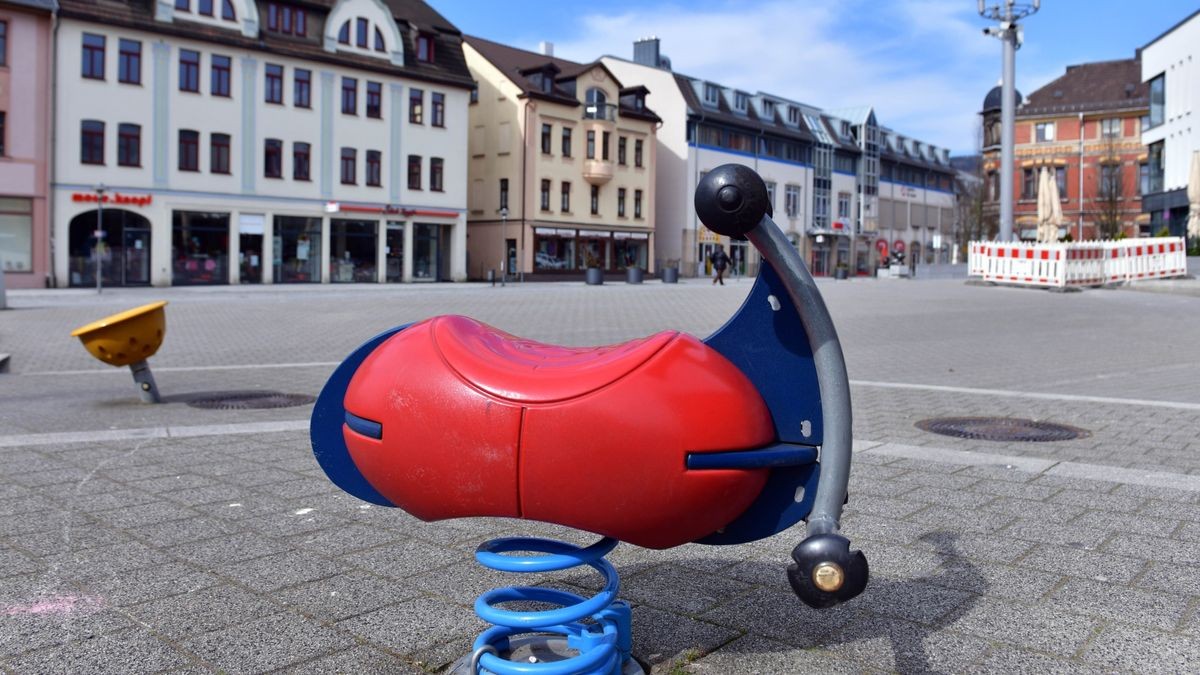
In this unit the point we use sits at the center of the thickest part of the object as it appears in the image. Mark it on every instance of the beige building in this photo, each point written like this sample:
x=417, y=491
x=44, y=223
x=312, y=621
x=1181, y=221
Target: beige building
x=561, y=166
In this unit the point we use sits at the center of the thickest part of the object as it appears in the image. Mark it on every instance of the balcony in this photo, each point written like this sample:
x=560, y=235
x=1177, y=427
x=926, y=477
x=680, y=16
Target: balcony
x=597, y=171
x=600, y=111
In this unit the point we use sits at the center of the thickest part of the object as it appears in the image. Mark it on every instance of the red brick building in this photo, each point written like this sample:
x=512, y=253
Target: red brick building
x=1086, y=127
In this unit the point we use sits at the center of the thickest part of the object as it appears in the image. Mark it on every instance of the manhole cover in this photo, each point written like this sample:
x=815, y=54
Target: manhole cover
x=250, y=400
x=1001, y=429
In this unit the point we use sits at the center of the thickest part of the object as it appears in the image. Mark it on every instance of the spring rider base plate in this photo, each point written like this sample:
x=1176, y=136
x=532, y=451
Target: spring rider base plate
x=538, y=649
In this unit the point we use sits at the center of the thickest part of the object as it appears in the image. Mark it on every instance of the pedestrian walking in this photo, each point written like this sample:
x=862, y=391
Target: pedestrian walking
x=719, y=260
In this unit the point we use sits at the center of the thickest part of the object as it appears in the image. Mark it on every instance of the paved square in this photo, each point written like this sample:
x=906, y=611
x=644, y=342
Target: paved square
x=142, y=538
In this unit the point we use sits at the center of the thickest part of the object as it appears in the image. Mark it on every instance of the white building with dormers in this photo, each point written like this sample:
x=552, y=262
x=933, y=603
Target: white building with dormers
x=234, y=141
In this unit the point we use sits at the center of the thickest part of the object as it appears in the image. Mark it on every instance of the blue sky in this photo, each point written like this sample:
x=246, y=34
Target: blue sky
x=924, y=64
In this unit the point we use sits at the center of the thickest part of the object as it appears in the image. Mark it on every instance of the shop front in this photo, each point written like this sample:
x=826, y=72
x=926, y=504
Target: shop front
x=199, y=248
x=558, y=250
x=354, y=248
x=297, y=250
x=119, y=240
x=829, y=251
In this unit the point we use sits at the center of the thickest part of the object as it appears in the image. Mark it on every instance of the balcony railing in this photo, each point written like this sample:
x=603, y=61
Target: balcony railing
x=600, y=111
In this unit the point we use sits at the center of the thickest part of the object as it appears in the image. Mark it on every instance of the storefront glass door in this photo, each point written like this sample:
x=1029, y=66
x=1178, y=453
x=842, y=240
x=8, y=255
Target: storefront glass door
x=426, y=252
x=123, y=249
x=394, y=252
x=353, y=250
x=137, y=257
x=297, y=250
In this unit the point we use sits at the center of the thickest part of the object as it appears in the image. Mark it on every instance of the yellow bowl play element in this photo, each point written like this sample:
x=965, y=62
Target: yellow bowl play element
x=125, y=338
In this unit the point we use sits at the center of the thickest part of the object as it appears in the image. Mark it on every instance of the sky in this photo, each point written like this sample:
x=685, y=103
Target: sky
x=925, y=65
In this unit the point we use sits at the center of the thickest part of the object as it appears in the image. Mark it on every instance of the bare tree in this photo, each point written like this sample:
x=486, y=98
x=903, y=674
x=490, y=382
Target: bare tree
x=1109, y=191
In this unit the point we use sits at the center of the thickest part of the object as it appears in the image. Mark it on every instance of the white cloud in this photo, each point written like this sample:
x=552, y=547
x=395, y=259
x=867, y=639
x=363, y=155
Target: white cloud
x=923, y=64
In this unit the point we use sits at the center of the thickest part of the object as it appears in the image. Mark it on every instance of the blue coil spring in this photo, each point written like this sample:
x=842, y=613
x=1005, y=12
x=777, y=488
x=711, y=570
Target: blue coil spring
x=604, y=646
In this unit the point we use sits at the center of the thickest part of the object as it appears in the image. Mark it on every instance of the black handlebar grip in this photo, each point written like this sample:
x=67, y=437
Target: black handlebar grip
x=731, y=200
x=826, y=572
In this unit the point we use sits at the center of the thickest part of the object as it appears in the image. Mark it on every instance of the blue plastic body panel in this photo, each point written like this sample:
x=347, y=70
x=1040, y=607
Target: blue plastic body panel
x=329, y=414
x=770, y=346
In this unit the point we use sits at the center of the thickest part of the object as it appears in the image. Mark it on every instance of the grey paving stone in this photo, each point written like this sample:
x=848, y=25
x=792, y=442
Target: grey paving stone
x=1005, y=659
x=950, y=519
x=904, y=646
x=1170, y=509
x=53, y=619
x=149, y=583
x=1087, y=538
x=1073, y=562
x=105, y=561
x=662, y=639
x=1162, y=611
x=779, y=614
x=128, y=651
x=676, y=589
x=1142, y=650
x=202, y=611
x=363, y=660
x=346, y=595
x=278, y=570
x=994, y=580
x=1034, y=510
x=754, y=654
x=1152, y=548
x=996, y=548
x=242, y=649
x=1027, y=625
x=945, y=497
x=917, y=600
x=176, y=532
x=403, y=559
x=14, y=562
x=1179, y=580
x=415, y=625
x=1112, y=522
x=228, y=550
x=344, y=539
x=160, y=511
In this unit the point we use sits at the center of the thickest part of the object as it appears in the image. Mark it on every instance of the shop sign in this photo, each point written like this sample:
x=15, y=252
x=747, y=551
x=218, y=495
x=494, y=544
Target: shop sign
x=114, y=198
x=898, y=246
x=906, y=191
x=839, y=225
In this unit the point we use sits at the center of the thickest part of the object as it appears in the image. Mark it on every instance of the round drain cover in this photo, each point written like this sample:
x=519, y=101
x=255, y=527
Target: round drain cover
x=249, y=400
x=1001, y=429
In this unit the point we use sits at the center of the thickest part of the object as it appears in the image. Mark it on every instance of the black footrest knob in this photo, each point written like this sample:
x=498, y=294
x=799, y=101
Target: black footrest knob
x=826, y=571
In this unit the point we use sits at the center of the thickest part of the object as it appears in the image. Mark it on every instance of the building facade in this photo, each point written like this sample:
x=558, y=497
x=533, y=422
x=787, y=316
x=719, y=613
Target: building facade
x=234, y=141
x=26, y=58
x=1171, y=72
x=1085, y=127
x=562, y=159
x=824, y=170
x=917, y=201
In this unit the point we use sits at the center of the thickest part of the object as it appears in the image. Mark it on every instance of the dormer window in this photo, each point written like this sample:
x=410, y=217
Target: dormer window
x=711, y=94
x=286, y=20
x=362, y=30
x=845, y=128
x=639, y=102
x=425, y=48
x=547, y=83
x=379, y=40
x=769, y=109
x=793, y=115
x=739, y=101
x=207, y=7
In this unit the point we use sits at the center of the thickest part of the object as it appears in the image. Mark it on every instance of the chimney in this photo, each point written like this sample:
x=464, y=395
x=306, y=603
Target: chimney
x=645, y=52
x=546, y=48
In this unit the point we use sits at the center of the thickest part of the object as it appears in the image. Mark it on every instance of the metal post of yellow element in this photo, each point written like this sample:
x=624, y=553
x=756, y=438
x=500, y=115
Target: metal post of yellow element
x=128, y=339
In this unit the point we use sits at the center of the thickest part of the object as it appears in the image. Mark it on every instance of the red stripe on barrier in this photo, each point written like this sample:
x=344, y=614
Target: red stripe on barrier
x=1029, y=254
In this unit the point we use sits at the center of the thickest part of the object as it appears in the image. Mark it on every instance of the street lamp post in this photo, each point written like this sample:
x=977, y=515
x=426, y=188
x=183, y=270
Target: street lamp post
x=1006, y=14
x=99, y=232
x=503, y=244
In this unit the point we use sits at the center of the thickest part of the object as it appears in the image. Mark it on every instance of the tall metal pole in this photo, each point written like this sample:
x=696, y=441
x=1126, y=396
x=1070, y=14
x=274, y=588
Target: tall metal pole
x=1006, y=14
x=99, y=233
x=503, y=245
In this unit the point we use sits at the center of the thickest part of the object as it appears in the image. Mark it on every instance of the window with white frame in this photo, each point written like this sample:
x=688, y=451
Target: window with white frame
x=1110, y=128
x=1043, y=132
x=791, y=200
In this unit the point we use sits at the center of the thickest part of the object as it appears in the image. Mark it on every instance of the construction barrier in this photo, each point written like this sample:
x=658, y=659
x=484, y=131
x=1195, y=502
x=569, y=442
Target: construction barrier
x=1085, y=263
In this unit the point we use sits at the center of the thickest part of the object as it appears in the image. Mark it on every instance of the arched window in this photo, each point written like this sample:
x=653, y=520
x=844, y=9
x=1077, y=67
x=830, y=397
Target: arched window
x=596, y=97
x=597, y=104
x=379, y=40
x=227, y=11
x=344, y=33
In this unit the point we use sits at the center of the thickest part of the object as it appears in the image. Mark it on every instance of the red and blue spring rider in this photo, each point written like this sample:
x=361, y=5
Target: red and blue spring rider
x=658, y=442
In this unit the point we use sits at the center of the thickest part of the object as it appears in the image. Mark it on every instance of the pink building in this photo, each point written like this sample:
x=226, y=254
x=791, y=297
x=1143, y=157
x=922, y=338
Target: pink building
x=26, y=49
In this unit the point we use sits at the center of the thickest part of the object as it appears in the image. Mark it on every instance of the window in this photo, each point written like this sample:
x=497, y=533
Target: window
x=3, y=45
x=547, y=130
x=595, y=199
x=91, y=142
x=220, y=75
x=374, y=168
x=189, y=70
x=416, y=102
x=1, y=133
x=16, y=231
x=414, y=172
x=273, y=158
x=771, y=196
x=566, y=142
x=360, y=33
x=189, y=150
x=604, y=145
x=1156, y=160
x=204, y=7
x=591, y=144
x=621, y=150
x=379, y=46
x=739, y=101
x=1028, y=184
x=793, y=115
x=711, y=94
x=93, y=56
x=129, y=61
x=1110, y=128
x=1060, y=177
x=374, y=100
x=1110, y=182
x=637, y=203
x=637, y=152
x=1158, y=100
x=436, y=173
x=791, y=200
x=769, y=110
x=504, y=193
x=437, y=103
x=218, y=157
x=1143, y=178
x=273, y=91
x=129, y=145
x=425, y=48
x=344, y=33
x=349, y=96
x=302, y=89
x=286, y=20
x=620, y=202
x=184, y=5
x=300, y=160
x=843, y=205
x=566, y=197
x=349, y=166
x=227, y=11
x=545, y=195
x=1044, y=132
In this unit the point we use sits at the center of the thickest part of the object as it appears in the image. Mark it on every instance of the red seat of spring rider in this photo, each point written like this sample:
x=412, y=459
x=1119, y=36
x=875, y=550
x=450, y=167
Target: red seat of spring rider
x=477, y=422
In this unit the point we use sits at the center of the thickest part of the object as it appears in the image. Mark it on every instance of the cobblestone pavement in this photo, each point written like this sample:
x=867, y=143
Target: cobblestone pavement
x=138, y=538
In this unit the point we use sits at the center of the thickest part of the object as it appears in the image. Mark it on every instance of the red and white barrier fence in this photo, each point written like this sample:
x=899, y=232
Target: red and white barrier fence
x=1085, y=263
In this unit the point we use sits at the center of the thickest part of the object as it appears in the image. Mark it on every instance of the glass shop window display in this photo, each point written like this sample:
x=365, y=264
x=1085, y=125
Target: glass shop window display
x=354, y=246
x=297, y=249
x=199, y=248
x=554, y=252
